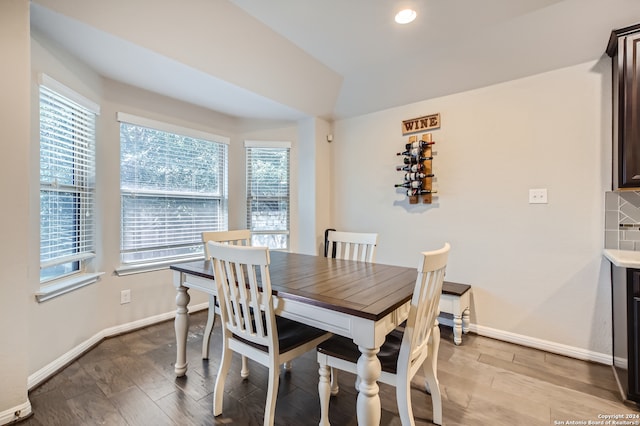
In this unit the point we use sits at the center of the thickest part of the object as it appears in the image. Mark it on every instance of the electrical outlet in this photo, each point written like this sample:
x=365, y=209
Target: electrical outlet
x=125, y=296
x=538, y=196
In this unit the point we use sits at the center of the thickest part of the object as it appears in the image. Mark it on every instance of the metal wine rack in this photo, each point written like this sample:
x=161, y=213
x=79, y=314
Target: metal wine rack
x=418, y=158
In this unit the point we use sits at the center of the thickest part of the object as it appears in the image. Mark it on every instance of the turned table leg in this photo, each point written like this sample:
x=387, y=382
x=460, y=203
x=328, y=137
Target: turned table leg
x=324, y=392
x=368, y=403
x=457, y=329
x=181, y=326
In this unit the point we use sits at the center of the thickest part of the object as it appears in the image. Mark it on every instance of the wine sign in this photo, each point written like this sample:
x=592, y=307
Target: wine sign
x=420, y=124
x=418, y=174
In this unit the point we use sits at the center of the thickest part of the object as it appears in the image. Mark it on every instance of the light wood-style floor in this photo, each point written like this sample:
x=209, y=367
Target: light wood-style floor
x=129, y=380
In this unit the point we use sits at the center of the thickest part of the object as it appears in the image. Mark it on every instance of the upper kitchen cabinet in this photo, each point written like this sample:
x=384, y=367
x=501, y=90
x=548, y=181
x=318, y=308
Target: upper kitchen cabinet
x=624, y=50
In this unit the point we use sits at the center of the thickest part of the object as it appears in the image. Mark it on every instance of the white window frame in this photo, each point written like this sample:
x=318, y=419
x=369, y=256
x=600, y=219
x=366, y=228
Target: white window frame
x=128, y=265
x=257, y=233
x=74, y=148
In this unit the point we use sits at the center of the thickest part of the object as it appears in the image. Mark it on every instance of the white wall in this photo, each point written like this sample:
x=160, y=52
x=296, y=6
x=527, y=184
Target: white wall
x=14, y=187
x=314, y=174
x=537, y=270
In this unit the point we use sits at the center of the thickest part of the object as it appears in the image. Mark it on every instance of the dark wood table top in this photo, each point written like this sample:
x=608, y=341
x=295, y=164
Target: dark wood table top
x=366, y=290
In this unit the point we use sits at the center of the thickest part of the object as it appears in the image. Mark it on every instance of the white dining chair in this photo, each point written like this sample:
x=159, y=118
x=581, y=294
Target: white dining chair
x=241, y=237
x=359, y=246
x=351, y=245
x=249, y=324
x=403, y=351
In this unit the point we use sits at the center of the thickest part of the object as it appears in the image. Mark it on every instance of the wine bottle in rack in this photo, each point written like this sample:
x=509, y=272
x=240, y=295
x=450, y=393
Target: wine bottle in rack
x=414, y=160
x=413, y=168
x=418, y=144
x=412, y=192
x=411, y=184
x=416, y=176
x=414, y=152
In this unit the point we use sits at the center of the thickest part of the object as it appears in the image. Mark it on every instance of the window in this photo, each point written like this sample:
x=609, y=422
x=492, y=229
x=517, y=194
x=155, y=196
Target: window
x=67, y=180
x=173, y=186
x=268, y=193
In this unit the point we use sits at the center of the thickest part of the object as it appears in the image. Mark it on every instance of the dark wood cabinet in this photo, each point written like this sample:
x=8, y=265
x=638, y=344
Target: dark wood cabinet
x=624, y=49
x=626, y=331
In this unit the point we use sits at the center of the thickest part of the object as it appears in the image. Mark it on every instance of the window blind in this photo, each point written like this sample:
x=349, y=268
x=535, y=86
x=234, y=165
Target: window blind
x=268, y=193
x=67, y=182
x=173, y=187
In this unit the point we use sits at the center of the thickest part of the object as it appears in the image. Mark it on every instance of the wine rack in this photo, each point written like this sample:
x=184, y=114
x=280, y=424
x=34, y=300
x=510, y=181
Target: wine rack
x=418, y=170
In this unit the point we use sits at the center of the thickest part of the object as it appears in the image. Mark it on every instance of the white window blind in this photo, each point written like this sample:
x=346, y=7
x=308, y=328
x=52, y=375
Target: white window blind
x=268, y=193
x=173, y=187
x=67, y=180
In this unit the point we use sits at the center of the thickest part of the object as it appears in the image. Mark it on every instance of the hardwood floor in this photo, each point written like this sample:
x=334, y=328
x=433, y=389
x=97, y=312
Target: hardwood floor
x=129, y=380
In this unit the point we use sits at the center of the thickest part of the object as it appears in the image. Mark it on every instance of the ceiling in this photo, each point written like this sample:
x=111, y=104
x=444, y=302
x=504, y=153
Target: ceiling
x=290, y=59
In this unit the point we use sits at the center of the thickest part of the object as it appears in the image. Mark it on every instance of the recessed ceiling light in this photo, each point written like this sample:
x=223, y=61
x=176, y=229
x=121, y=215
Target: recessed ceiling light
x=405, y=16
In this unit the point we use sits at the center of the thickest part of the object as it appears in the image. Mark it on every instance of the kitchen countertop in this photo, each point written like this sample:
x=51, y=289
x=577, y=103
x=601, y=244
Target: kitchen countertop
x=623, y=258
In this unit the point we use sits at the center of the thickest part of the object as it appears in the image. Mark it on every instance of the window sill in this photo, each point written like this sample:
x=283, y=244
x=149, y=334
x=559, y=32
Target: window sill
x=66, y=285
x=129, y=269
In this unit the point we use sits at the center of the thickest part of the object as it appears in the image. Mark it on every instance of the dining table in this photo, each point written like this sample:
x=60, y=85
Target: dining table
x=360, y=300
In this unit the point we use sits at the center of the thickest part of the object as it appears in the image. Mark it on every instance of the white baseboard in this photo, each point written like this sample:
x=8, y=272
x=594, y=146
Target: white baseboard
x=56, y=365
x=532, y=342
x=620, y=362
x=544, y=345
x=16, y=413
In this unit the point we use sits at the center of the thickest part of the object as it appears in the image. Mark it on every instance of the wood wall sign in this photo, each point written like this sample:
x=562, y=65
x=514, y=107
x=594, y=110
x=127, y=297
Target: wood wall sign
x=420, y=124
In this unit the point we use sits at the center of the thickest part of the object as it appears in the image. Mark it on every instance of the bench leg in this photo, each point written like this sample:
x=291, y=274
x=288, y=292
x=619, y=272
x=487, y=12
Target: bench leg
x=465, y=321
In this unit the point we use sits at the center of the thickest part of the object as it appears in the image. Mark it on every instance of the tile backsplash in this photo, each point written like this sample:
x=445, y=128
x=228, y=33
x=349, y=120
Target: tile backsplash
x=622, y=220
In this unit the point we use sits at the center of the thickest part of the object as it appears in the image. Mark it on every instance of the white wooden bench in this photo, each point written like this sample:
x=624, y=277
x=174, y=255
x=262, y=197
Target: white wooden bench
x=454, y=300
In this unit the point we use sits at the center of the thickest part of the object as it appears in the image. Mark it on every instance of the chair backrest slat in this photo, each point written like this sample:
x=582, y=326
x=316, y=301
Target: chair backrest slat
x=352, y=245
x=242, y=278
x=239, y=237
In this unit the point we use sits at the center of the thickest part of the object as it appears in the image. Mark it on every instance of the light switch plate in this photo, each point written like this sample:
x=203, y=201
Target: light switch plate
x=538, y=196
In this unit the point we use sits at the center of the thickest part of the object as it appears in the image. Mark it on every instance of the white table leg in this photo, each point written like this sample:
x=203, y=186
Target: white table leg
x=324, y=392
x=368, y=404
x=457, y=329
x=182, y=327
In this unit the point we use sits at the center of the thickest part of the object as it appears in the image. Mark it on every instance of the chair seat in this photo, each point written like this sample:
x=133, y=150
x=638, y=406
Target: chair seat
x=291, y=334
x=344, y=348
